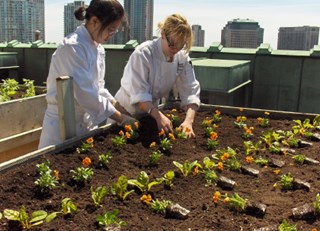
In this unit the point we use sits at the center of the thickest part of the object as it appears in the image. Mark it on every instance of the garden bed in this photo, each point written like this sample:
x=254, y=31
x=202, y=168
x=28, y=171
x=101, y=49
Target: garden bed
x=260, y=185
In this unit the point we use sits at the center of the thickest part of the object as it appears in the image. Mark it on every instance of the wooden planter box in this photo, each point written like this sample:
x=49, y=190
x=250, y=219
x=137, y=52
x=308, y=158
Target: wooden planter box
x=21, y=123
x=33, y=138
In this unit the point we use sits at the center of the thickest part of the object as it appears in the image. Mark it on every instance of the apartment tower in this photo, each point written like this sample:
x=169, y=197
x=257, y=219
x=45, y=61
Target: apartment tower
x=70, y=22
x=22, y=20
x=242, y=33
x=198, y=36
x=298, y=38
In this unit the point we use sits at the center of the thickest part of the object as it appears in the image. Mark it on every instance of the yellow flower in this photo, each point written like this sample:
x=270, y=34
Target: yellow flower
x=147, y=199
x=89, y=140
x=218, y=112
x=128, y=128
x=216, y=197
x=86, y=162
x=171, y=136
x=56, y=174
x=267, y=113
x=121, y=133
x=161, y=133
x=174, y=110
x=226, y=200
x=225, y=156
x=277, y=171
x=213, y=136
x=249, y=159
x=153, y=144
x=241, y=109
x=128, y=135
x=220, y=166
x=136, y=124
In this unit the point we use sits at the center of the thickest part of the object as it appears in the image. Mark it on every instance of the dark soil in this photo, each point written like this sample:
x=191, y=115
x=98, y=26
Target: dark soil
x=18, y=188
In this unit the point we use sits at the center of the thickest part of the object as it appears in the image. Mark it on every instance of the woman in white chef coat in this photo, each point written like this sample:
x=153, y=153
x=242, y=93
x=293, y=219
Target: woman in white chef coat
x=82, y=57
x=155, y=67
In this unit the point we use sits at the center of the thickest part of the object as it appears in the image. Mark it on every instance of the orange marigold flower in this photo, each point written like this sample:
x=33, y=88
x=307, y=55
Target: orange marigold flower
x=225, y=156
x=213, y=136
x=121, y=133
x=218, y=112
x=128, y=135
x=249, y=159
x=241, y=109
x=314, y=229
x=56, y=174
x=196, y=171
x=216, y=197
x=128, y=128
x=171, y=136
x=188, y=130
x=86, y=162
x=174, y=110
x=259, y=119
x=153, y=144
x=215, y=126
x=284, y=152
x=277, y=171
x=161, y=133
x=89, y=140
x=147, y=199
x=220, y=166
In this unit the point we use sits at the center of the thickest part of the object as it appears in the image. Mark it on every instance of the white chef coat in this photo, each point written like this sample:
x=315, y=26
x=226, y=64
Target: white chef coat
x=149, y=77
x=83, y=59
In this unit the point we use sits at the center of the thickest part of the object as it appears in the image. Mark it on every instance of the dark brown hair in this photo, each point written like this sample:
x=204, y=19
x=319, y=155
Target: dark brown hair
x=107, y=11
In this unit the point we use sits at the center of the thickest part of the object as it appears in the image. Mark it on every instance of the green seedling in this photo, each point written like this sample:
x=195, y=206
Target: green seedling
x=143, y=183
x=119, y=188
x=186, y=167
x=98, y=194
x=67, y=208
x=110, y=219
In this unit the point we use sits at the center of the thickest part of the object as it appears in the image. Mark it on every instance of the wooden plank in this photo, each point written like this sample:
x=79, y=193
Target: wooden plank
x=66, y=107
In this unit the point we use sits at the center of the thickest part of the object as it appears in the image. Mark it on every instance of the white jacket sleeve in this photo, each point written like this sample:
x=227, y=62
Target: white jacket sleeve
x=136, y=77
x=78, y=65
x=187, y=85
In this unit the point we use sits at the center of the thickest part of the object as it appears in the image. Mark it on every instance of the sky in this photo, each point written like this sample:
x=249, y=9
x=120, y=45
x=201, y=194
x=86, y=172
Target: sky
x=212, y=15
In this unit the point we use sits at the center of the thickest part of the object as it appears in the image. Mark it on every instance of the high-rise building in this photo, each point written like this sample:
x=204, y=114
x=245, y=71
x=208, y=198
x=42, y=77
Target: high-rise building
x=140, y=21
x=298, y=38
x=242, y=33
x=70, y=22
x=22, y=20
x=198, y=36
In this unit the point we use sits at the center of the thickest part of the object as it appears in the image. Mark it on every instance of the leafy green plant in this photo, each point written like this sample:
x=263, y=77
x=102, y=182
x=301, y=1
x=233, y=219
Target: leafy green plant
x=217, y=116
x=86, y=146
x=8, y=89
x=240, y=121
x=47, y=180
x=251, y=148
x=174, y=117
x=285, y=226
x=264, y=121
x=104, y=158
x=160, y=206
x=165, y=144
x=299, y=158
x=82, y=174
x=119, y=188
x=286, y=181
x=110, y=219
x=247, y=132
x=21, y=216
x=143, y=183
x=30, y=89
x=180, y=134
x=98, y=194
x=186, y=167
x=155, y=157
x=67, y=208
x=212, y=142
x=237, y=202
x=316, y=204
x=261, y=161
x=167, y=179
x=119, y=140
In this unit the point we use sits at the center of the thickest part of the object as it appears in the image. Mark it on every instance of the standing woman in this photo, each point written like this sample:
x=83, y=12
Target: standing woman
x=155, y=67
x=82, y=57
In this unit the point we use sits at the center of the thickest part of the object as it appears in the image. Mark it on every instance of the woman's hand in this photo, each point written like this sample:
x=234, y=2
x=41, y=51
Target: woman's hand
x=164, y=123
x=187, y=129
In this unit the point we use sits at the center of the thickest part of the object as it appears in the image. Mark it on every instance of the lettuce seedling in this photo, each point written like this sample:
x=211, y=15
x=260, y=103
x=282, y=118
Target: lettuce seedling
x=119, y=189
x=160, y=206
x=186, y=167
x=109, y=219
x=67, y=207
x=98, y=195
x=27, y=222
x=143, y=182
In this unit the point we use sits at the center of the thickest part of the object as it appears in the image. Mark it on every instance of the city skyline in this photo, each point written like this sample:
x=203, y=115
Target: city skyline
x=212, y=15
